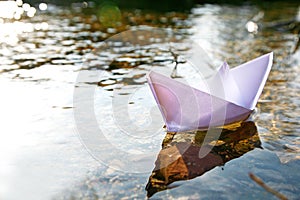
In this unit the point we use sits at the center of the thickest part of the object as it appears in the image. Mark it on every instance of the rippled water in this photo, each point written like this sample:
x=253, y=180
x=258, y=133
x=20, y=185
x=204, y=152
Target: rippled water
x=79, y=121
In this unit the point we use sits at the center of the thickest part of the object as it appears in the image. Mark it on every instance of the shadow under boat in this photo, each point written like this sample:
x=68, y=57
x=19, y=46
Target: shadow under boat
x=179, y=158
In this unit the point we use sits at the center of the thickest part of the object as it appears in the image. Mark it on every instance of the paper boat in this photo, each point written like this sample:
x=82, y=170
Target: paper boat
x=229, y=96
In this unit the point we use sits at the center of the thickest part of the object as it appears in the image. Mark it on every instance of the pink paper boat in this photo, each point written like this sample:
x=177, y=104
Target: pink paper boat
x=229, y=96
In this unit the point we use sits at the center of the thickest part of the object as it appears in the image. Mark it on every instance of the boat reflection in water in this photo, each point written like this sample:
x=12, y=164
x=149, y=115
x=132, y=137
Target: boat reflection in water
x=179, y=158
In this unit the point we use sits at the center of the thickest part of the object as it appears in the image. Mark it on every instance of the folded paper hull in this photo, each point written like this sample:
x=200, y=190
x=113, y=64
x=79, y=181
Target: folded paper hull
x=227, y=97
x=186, y=108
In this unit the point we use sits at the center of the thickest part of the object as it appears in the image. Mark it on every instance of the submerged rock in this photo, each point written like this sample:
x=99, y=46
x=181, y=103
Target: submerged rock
x=180, y=160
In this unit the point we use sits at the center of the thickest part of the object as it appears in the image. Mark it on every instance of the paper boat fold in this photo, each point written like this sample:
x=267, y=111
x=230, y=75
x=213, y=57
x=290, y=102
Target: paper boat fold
x=229, y=96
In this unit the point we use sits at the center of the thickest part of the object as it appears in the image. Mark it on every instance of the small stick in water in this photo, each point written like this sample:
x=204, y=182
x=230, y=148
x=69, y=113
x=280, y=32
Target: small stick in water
x=267, y=188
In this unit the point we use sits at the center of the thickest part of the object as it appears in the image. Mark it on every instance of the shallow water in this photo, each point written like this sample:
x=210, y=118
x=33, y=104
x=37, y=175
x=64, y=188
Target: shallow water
x=79, y=121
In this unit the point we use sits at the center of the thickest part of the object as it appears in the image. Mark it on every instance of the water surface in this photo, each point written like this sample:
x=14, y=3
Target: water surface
x=46, y=155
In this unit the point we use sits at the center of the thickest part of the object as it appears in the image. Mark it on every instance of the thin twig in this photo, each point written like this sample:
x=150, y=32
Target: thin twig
x=175, y=56
x=267, y=188
x=298, y=43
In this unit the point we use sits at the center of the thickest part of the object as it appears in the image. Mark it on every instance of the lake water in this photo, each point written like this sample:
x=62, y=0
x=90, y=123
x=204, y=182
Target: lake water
x=78, y=120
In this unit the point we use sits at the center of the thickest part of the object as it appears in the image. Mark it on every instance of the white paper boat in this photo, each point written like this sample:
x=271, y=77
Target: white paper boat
x=229, y=96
